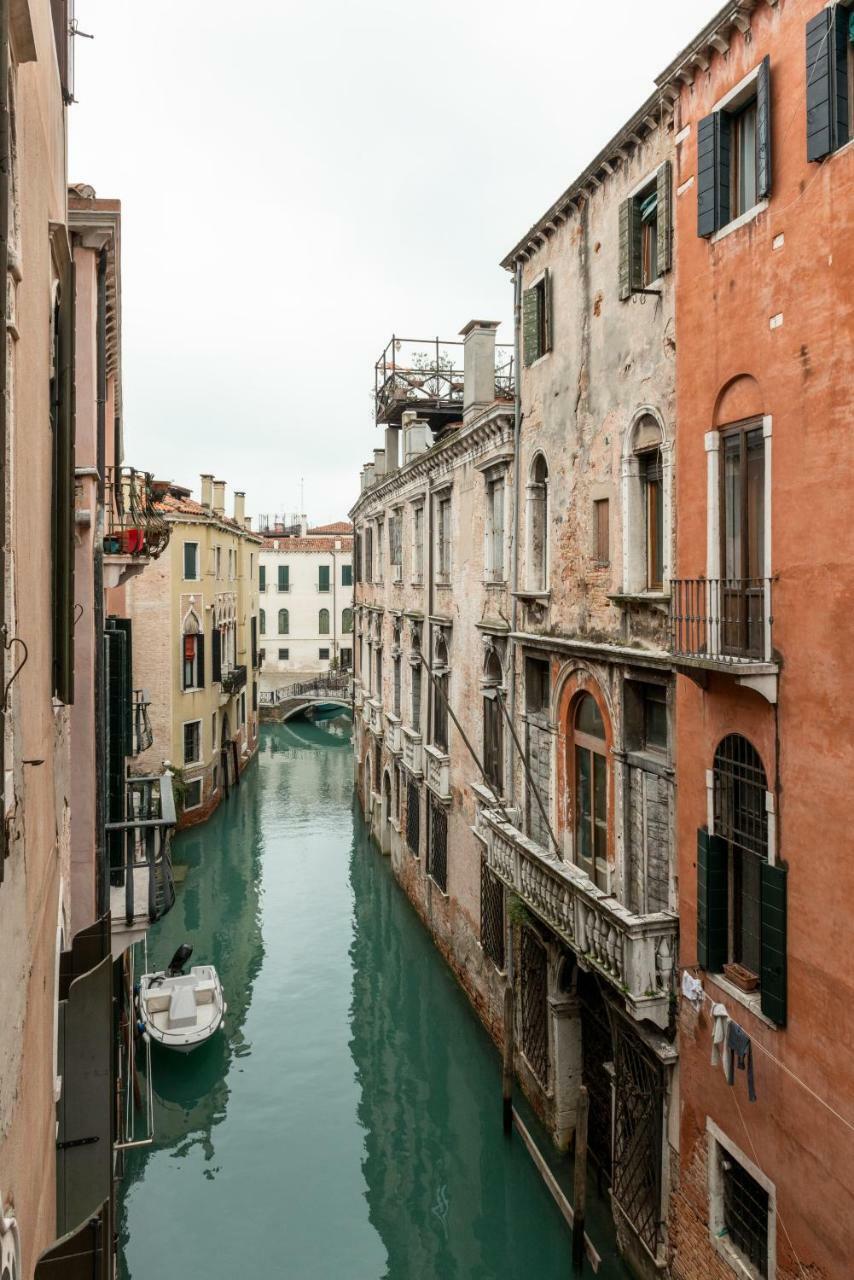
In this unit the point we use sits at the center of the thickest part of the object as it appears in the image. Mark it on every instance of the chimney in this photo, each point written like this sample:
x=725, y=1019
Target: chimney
x=247, y=523
x=207, y=482
x=379, y=464
x=219, y=497
x=414, y=435
x=479, y=365
x=239, y=506
x=369, y=474
x=392, y=450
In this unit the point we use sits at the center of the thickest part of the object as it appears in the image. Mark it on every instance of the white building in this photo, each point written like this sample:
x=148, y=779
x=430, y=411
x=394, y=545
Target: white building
x=306, y=598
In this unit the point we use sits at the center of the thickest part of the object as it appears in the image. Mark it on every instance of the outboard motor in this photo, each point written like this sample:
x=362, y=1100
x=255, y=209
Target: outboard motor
x=180, y=958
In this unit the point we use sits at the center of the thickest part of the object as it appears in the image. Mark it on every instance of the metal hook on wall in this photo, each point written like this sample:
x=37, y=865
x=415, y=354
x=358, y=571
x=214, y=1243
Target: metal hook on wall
x=78, y=614
x=7, y=645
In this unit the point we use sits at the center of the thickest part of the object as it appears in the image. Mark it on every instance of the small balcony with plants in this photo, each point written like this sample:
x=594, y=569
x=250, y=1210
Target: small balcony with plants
x=233, y=679
x=134, y=530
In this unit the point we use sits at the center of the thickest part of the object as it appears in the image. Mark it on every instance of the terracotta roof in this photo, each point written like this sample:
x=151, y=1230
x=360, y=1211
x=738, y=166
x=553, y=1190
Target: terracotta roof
x=297, y=545
x=171, y=505
x=340, y=526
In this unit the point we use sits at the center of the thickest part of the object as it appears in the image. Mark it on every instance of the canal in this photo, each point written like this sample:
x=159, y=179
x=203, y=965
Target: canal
x=348, y=1121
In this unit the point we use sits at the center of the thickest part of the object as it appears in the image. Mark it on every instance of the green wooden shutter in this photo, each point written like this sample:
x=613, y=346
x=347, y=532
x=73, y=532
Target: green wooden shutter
x=773, y=942
x=546, y=335
x=708, y=137
x=262, y=578
x=216, y=655
x=530, y=326
x=118, y=726
x=126, y=627
x=62, y=423
x=827, y=82
x=630, y=278
x=323, y=577
x=763, y=129
x=711, y=901
x=664, y=246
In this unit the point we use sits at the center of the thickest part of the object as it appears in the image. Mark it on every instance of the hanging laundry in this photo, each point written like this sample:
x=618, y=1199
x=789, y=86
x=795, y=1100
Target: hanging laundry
x=692, y=989
x=721, y=1020
x=740, y=1052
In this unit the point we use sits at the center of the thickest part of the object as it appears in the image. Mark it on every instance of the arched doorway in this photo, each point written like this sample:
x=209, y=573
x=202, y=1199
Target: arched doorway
x=224, y=755
x=590, y=789
x=386, y=812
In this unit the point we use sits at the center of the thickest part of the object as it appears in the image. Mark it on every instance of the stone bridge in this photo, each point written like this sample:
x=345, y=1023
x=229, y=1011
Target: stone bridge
x=282, y=704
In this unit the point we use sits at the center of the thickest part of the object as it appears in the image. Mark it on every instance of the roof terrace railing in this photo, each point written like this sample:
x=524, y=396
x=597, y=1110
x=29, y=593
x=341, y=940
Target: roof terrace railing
x=134, y=527
x=427, y=375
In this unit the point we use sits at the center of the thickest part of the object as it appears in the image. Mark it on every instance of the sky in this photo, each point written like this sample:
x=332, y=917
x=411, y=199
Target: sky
x=300, y=180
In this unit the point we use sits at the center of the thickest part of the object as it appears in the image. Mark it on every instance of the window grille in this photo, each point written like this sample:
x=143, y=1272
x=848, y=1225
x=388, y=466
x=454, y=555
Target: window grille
x=535, y=1036
x=491, y=915
x=397, y=686
x=413, y=819
x=741, y=818
x=745, y=1212
x=438, y=862
x=639, y=1096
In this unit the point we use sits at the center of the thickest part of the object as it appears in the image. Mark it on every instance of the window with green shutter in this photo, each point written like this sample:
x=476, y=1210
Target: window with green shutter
x=712, y=898
x=284, y=581
x=262, y=577
x=537, y=319
x=323, y=577
x=773, y=949
x=646, y=233
x=734, y=155
x=346, y=575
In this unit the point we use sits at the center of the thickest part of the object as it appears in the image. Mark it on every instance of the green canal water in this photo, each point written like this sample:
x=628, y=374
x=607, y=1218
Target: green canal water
x=347, y=1123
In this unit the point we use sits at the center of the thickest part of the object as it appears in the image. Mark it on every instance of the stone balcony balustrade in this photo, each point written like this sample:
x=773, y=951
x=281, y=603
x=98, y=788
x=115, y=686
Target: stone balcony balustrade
x=393, y=734
x=413, y=752
x=358, y=695
x=437, y=767
x=636, y=954
x=375, y=716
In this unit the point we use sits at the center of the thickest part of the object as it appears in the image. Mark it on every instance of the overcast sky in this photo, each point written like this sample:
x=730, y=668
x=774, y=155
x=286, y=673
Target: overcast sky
x=301, y=179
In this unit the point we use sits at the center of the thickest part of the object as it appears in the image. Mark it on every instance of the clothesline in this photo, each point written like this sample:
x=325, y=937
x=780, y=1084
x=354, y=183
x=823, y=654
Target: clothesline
x=761, y=1048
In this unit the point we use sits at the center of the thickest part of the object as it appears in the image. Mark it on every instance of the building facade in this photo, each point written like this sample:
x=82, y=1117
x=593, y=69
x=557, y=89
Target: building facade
x=197, y=654
x=305, y=591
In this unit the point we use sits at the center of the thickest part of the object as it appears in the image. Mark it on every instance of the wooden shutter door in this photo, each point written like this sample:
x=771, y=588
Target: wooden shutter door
x=773, y=942
x=664, y=190
x=530, y=326
x=711, y=901
x=827, y=82
x=763, y=129
x=630, y=248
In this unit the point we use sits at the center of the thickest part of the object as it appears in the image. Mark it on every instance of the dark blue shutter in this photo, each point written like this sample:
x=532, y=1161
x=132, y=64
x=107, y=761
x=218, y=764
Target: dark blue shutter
x=763, y=129
x=827, y=82
x=712, y=921
x=773, y=943
x=707, y=176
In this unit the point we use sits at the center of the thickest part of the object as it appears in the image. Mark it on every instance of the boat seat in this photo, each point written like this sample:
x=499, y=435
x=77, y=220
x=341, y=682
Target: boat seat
x=182, y=1008
x=157, y=1001
x=205, y=991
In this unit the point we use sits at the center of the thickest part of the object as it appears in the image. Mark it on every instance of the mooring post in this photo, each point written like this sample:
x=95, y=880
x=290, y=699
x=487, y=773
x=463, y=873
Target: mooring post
x=580, y=1180
x=507, y=1065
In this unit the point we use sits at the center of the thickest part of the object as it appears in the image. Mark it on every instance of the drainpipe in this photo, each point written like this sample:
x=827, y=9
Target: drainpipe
x=4, y=470
x=428, y=630
x=334, y=604
x=514, y=553
x=102, y=872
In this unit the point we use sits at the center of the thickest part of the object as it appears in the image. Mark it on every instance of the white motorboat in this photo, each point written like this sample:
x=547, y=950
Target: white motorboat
x=181, y=1010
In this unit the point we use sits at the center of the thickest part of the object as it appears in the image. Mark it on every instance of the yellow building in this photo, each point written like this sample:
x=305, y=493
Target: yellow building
x=195, y=619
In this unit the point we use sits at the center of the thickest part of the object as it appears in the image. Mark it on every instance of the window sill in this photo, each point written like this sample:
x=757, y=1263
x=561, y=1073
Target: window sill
x=499, y=583
x=640, y=597
x=534, y=594
x=750, y=215
x=752, y=1001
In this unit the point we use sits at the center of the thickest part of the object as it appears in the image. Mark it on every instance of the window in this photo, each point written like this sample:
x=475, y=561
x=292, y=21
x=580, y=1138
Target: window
x=413, y=819
x=534, y=997
x=537, y=686
x=649, y=237
x=369, y=554
x=495, y=530
x=395, y=545
x=284, y=622
x=192, y=741
x=346, y=658
x=192, y=656
x=440, y=696
x=284, y=655
x=380, y=548
x=538, y=524
x=734, y=155
x=591, y=790
x=323, y=577
x=437, y=858
x=417, y=544
x=654, y=717
x=396, y=672
x=378, y=658
x=493, y=724
x=347, y=621
x=830, y=80
x=213, y=731
x=262, y=577
x=741, y=820
x=416, y=698
x=191, y=561
x=323, y=655
x=743, y=541
x=217, y=562
x=653, y=494
x=346, y=575
x=646, y=234
x=742, y=1210
x=323, y=622
x=262, y=618
x=537, y=319
x=491, y=915
x=284, y=577
x=193, y=794
x=443, y=539
x=601, y=532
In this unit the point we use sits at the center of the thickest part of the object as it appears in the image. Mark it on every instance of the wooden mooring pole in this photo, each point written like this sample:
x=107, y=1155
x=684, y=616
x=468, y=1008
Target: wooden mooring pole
x=507, y=1064
x=580, y=1180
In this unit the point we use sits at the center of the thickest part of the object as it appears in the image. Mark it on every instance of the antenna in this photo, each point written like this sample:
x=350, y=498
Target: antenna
x=302, y=494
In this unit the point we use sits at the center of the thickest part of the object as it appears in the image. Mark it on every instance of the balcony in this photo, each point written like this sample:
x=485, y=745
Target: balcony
x=143, y=737
x=358, y=696
x=635, y=954
x=413, y=752
x=437, y=768
x=134, y=531
x=427, y=375
x=375, y=716
x=724, y=624
x=141, y=885
x=233, y=679
x=393, y=736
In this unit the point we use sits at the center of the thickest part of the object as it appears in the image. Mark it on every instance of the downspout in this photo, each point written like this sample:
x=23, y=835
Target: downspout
x=102, y=870
x=334, y=608
x=5, y=169
x=428, y=533
x=514, y=552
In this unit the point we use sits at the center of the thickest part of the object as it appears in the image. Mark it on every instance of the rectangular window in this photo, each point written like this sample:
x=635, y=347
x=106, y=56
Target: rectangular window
x=491, y=915
x=346, y=575
x=537, y=686
x=191, y=561
x=284, y=577
x=284, y=655
x=743, y=159
x=829, y=80
x=193, y=661
x=495, y=531
x=443, y=539
x=262, y=577
x=654, y=717
x=646, y=234
x=651, y=479
x=192, y=741
x=493, y=740
x=378, y=658
x=369, y=554
x=734, y=155
x=537, y=319
x=649, y=236
x=323, y=654
x=346, y=658
x=743, y=542
x=395, y=545
x=413, y=819
x=193, y=794
x=217, y=562
x=380, y=548
x=440, y=712
x=213, y=732
x=418, y=544
x=602, y=532
x=397, y=686
x=743, y=1212
x=323, y=577
x=416, y=698
x=437, y=862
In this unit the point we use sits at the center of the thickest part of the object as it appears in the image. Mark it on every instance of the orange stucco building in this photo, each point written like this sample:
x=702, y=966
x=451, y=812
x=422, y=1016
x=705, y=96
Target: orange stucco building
x=764, y=252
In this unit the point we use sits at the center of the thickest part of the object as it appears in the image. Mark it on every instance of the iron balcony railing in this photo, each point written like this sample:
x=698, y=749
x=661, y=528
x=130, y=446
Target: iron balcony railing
x=141, y=884
x=427, y=374
x=336, y=684
x=133, y=525
x=721, y=620
x=233, y=679
x=143, y=737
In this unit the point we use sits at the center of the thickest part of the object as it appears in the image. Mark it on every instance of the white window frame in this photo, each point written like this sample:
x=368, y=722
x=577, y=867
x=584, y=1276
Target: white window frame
x=719, y=1142
x=185, y=726
x=493, y=479
x=633, y=513
x=418, y=542
x=193, y=782
x=442, y=572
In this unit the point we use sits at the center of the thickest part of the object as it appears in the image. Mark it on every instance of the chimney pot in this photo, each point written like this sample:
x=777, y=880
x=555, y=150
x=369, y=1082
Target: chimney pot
x=207, y=487
x=479, y=365
x=239, y=506
x=219, y=497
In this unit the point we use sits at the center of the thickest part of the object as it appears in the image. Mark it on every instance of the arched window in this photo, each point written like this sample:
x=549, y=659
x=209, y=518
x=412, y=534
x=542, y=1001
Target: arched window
x=741, y=819
x=192, y=653
x=323, y=622
x=440, y=695
x=284, y=622
x=538, y=524
x=591, y=790
x=262, y=621
x=493, y=723
x=347, y=621
x=646, y=559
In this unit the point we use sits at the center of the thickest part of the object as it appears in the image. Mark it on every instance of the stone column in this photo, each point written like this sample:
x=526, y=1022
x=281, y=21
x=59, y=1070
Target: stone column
x=566, y=1039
